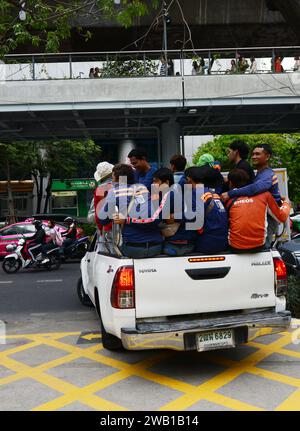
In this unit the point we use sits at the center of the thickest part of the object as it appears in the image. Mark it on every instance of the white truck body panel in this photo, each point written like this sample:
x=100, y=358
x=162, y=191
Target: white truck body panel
x=172, y=305
x=163, y=287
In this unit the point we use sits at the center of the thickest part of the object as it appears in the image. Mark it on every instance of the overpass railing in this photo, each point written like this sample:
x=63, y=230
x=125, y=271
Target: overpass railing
x=125, y=64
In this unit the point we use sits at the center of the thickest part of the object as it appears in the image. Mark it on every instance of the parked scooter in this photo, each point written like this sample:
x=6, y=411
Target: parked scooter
x=20, y=258
x=76, y=250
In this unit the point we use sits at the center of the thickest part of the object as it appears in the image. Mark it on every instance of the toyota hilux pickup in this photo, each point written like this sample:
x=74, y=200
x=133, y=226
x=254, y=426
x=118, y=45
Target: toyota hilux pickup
x=194, y=302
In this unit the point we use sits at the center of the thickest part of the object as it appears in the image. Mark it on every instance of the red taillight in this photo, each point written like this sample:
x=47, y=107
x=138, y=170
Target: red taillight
x=122, y=293
x=280, y=276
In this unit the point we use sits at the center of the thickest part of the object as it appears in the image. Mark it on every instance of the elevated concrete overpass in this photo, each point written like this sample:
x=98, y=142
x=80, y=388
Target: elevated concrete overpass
x=149, y=107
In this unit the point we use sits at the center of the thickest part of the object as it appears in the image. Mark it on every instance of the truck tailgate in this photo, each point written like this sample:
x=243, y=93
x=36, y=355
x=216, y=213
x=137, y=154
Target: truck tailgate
x=169, y=286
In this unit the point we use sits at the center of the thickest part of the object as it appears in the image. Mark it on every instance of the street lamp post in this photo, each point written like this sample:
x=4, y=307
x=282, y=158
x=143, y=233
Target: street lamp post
x=167, y=20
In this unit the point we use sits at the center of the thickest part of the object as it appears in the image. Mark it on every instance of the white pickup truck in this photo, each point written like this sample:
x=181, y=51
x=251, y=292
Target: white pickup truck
x=194, y=302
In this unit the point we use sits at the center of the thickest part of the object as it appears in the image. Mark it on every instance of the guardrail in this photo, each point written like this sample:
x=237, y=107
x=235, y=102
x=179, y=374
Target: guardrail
x=124, y=64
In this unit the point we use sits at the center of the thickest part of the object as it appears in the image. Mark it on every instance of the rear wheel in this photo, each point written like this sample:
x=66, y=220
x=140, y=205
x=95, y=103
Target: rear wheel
x=109, y=341
x=83, y=297
x=11, y=265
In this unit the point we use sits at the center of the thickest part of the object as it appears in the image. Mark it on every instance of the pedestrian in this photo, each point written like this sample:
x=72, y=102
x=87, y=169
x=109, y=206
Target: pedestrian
x=253, y=66
x=143, y=173
x=97, y=73
x=92, y=73
x=242, y=65
x=233, y=69
x=163, y=67
x=278, y=65
x=170, y=66
x=195, y=68
x=297, y=64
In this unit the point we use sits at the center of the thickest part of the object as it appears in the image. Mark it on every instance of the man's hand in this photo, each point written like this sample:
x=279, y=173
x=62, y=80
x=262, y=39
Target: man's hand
x=118, y=218
x=225, y=197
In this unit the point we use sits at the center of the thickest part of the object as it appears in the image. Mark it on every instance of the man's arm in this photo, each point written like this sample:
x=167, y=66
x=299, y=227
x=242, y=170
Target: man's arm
x=280, y=214
x=261, y=185
x=107, y=210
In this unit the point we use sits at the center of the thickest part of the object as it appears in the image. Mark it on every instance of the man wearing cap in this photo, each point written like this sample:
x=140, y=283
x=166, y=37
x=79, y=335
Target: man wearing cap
x=104, y=180
x=207, y=159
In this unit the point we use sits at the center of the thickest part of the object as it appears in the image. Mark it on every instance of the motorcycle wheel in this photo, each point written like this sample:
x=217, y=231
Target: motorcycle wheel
x=54, y=262
x=11, y=265
x=81, y=250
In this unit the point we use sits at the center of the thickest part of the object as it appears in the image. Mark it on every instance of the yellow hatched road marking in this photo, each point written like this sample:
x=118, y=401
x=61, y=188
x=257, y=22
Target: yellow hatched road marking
x=237, y=368
x=190, y=394
x=292, y=403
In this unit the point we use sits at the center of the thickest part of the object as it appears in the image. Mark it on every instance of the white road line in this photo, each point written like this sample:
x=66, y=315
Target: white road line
x=49, y=281
x=6, y=282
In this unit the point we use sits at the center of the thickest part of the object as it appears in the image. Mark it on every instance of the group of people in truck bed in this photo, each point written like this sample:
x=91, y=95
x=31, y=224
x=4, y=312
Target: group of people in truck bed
x=177, y=211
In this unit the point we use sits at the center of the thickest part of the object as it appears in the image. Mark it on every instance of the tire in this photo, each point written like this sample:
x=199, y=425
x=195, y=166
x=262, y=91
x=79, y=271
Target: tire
x=55, y=261
x=11, y=265
x=109, y=341
x=83, y=297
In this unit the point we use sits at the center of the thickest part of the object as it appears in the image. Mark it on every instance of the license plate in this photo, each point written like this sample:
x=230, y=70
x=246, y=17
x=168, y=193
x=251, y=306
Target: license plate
x=215, y=340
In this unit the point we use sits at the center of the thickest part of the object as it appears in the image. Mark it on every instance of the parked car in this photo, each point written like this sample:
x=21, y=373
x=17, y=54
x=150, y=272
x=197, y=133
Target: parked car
x=193, y=302
x=290, y=253
x=12, y=233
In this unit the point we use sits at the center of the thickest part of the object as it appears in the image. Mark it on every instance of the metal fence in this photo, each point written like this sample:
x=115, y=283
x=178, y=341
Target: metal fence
x=125, y=64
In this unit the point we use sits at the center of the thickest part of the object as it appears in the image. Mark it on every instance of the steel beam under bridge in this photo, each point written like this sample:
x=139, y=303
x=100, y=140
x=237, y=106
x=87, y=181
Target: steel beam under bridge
x=141, y=107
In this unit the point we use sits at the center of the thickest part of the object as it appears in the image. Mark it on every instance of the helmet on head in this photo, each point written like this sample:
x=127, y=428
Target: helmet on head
x=68, y=220
x=37, y=224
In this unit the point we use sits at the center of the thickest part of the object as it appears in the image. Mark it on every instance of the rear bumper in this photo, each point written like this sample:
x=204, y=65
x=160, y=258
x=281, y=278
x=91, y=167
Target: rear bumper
x=180, y=335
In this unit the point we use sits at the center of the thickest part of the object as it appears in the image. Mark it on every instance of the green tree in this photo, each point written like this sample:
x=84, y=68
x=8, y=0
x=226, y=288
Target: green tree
x=13, y=158
x=45, y=161
x=286, y=149
x=46, y=24
x=69, y=158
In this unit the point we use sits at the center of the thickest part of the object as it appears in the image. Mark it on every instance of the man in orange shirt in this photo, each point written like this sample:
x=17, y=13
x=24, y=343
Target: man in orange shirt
x=248, y=215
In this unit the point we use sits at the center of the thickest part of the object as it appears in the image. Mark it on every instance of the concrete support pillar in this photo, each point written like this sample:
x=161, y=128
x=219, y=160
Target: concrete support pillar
x=170, y=141
x=124, y=148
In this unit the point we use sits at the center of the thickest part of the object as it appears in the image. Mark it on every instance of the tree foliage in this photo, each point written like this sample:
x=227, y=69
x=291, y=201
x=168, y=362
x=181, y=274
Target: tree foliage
x=129, y=68
x=47, y=24
x=59, y=159
x=286, y=149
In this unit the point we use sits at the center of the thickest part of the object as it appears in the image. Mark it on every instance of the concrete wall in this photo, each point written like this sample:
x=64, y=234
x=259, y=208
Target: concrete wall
x=147, y=92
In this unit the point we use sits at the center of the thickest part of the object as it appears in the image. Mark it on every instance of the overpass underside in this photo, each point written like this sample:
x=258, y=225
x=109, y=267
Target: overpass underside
x=163, y=107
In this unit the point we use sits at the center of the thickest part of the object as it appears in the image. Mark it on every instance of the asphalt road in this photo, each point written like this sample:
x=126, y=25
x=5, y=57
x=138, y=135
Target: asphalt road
x=37, y=299
x=52, y=358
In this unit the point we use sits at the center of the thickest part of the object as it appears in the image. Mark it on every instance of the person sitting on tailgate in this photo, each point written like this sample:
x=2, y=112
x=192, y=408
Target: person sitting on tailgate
x=211, y=237
x=178, y=240
x=248, y=215
x=207, y=159
x=128, y=203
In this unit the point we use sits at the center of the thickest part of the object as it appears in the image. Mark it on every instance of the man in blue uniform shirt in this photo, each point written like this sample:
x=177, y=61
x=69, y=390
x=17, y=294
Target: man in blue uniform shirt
x=143, y=173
